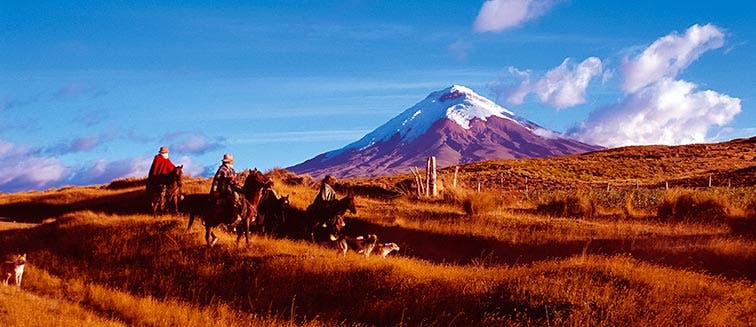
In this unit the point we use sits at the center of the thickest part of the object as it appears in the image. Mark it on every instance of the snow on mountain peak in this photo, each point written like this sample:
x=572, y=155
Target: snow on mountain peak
x=457, y=103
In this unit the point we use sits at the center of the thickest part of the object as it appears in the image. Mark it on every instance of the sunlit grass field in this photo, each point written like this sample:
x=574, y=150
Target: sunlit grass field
x=560, y=256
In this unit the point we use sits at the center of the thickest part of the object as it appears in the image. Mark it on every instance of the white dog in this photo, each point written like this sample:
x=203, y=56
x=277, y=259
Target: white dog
x=386, y=248
x=359, y=244
x=13, y=268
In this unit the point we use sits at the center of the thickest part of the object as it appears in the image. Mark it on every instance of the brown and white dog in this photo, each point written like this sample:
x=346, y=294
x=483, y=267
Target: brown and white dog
x=386, y=248
x=359, y=244
x=13, y=268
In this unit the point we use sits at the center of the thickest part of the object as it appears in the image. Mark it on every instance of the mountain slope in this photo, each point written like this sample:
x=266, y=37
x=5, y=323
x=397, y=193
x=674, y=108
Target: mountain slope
x=456, y=125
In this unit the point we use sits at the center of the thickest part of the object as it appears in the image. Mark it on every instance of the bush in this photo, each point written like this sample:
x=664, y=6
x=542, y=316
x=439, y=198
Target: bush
x=695, y=207
x=571, y=205
x=744, y=226
x=472, y=203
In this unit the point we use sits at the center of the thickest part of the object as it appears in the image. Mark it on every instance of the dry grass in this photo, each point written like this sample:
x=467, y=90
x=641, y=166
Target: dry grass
x=491, y=258
x=689, y=206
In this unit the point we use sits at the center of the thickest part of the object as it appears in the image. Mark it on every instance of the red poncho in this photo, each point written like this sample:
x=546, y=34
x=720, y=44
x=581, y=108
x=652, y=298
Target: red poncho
x=160, y=166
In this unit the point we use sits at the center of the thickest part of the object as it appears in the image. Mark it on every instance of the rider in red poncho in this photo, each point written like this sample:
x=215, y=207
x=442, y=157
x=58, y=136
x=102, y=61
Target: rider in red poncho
x=161, y=165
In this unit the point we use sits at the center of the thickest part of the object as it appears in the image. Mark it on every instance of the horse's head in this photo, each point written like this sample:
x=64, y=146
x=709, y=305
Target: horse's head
x=350, y=204
x=255, y=181
x=178, y=174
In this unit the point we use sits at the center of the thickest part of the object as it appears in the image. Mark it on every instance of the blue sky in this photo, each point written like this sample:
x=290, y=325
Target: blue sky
x=90, y=90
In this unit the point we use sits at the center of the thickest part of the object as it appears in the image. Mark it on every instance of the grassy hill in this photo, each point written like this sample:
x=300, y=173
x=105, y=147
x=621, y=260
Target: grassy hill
x=496, y=257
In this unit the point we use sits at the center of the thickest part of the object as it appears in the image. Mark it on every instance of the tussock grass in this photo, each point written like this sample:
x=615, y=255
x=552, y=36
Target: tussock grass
x=689, y=206
x=103, y=260
x=568, y=205
x=90, y=261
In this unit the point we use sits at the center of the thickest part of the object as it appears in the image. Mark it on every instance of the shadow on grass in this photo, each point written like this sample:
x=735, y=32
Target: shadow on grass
x=133, y=202
x=685, y=252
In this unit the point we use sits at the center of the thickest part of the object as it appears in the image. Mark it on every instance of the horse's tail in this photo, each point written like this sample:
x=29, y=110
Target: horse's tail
x=191, y=220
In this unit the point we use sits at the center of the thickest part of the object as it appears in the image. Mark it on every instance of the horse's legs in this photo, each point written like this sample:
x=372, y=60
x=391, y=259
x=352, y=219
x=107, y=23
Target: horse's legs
x=210, y=237
x=246, y=231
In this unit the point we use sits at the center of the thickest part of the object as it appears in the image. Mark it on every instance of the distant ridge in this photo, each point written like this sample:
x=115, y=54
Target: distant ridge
x=454, y=124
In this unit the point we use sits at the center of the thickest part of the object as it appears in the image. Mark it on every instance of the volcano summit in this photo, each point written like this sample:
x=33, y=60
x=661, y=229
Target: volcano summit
x=454, y=124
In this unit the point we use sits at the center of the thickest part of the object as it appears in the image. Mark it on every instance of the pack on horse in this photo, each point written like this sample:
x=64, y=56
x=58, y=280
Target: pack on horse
x=166, y=190
x=327, y=219
x=253, y=190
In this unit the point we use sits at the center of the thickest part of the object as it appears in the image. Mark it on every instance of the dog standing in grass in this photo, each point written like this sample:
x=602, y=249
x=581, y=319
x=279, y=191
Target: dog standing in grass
x=13, y=268
x=360, y=244
x=386, y=248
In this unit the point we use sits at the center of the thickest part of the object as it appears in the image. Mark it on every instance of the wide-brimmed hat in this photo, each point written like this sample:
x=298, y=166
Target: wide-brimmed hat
x=163, y=149
x=228, y=157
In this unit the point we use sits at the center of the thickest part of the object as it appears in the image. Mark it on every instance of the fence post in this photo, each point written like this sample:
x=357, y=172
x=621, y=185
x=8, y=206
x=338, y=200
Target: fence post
x=456, y=170
x=432, y=188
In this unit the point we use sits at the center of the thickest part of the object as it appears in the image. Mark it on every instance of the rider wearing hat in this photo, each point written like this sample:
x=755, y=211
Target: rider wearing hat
x=161, y=166
x=223, y=189
x=325, y=197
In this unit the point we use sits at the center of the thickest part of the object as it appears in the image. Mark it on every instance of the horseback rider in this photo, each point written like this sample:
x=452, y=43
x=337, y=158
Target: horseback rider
x=326, y=197
x=224, y=189
x=161, y=166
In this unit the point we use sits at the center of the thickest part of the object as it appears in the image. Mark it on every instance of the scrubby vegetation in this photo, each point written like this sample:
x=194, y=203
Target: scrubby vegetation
x=548, y=256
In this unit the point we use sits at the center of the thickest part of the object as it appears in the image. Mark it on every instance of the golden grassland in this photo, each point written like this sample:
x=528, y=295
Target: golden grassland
x=501, y=257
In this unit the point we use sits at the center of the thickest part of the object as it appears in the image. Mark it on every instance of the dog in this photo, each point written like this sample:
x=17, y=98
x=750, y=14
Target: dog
x=386, y=248
x=13, y=268
x=359, y=244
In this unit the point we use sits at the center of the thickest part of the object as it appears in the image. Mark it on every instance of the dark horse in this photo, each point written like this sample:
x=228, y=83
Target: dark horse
x=271, y=213
x=166, y=190
x=328, y=220
x=245, y=206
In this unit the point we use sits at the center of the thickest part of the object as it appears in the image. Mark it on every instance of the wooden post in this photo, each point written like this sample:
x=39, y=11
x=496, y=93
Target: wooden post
x=526, y=185
x=430, y=175
x=427, y=176
x=418, y=182
x=454, y=182
x=478, y=187
x=709, y=180
x=607, y=187
x=666, y=185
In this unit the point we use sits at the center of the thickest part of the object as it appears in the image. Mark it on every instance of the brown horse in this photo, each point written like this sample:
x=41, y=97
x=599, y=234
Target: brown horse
x=328, y=219
x=245, y=206
x=253, y=188
x=166, y=191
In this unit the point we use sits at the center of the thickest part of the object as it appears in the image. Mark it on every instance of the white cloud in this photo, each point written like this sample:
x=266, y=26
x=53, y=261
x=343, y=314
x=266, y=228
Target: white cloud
x=193, y=143
x=561, y=87
x=565, y=85
x=21, y=170
x=669, y=55
x=498, y=15
x=667, y=112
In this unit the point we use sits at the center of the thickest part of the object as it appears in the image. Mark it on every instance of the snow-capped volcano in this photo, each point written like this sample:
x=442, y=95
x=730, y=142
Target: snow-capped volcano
x=454, y=124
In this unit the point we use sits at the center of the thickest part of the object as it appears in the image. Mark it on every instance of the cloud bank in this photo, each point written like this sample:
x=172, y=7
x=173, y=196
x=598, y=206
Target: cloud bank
x=20, y=169
x=499, y=15
x=561, y=87
x=657, y=109
x=666, y=112
x=669, y=55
